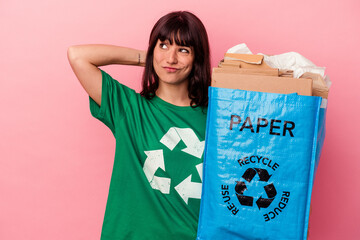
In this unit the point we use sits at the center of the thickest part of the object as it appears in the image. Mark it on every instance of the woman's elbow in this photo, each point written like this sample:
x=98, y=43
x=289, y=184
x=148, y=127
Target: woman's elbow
x=72, y=53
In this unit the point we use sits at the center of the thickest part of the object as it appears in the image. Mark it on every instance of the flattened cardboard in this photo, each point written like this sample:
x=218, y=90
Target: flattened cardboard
x=229, y=63
x=251, y=71
x=319, y=86
x=248, y=58
x=241, y=64
x=258, y=83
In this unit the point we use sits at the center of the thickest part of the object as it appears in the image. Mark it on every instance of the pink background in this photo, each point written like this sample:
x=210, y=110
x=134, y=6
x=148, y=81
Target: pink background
x=56, y=160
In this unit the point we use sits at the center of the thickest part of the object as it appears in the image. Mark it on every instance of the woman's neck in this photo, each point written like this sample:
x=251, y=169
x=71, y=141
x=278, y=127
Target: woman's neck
x=175, y=94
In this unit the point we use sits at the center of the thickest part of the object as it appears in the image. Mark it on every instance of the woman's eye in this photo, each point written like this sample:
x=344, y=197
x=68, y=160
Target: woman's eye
x=184, y=50
x=163, y=46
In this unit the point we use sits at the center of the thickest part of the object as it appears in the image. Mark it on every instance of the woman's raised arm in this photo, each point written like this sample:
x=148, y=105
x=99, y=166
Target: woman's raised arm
x=85, y=60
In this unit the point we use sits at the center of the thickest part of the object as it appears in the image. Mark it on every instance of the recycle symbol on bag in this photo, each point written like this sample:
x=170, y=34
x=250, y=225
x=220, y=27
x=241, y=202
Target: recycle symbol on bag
x=270, y=190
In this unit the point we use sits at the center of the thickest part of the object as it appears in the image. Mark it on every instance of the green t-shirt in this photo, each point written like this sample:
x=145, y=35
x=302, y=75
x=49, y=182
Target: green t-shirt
x=156, y=181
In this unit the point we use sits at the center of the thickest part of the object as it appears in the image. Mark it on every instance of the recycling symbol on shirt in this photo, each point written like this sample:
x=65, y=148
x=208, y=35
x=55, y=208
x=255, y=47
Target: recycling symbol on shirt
x=270, y=190
x=155, y=159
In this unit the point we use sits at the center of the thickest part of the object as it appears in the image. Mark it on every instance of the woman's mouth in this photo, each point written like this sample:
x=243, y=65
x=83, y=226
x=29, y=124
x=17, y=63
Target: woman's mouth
x=170, y=69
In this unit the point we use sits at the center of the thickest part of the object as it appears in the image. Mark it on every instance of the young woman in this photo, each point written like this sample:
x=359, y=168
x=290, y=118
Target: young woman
x=155, y=186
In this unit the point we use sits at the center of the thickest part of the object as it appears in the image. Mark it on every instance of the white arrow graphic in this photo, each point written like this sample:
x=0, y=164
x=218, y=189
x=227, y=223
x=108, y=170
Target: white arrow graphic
x=171, y=138
x=155, y=160
x=199, y=168
x=193, y=145
x=188, y=189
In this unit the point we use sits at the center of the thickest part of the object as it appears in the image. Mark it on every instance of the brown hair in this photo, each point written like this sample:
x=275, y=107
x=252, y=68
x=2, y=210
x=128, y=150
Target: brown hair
x=186, y=30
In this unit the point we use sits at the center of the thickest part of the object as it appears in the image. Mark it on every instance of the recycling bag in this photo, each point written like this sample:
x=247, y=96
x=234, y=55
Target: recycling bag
x=261, y=153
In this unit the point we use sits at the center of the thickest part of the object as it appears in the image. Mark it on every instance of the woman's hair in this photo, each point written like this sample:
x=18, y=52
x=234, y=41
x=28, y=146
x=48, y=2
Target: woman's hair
x=186, y=30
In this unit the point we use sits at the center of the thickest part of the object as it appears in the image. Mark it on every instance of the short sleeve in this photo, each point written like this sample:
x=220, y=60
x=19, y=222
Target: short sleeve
x=115, y=99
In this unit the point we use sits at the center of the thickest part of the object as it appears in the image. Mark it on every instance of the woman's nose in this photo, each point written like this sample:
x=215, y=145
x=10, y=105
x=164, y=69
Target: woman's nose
x=172, y=56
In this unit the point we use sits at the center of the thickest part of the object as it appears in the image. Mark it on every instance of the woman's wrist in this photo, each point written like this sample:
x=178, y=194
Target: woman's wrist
x=141, y=58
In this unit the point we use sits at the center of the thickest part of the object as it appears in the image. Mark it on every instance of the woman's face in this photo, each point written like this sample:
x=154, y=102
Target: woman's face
x=172, y=63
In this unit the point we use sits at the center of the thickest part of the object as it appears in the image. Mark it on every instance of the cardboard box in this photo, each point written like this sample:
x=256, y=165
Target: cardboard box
x=259, y=83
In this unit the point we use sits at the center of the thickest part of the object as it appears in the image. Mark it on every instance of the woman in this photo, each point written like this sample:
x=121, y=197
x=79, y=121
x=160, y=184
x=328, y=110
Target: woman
x=156, y=181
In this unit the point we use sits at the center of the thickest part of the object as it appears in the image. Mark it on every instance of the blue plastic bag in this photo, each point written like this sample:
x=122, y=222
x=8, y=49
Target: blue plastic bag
x=260, y=160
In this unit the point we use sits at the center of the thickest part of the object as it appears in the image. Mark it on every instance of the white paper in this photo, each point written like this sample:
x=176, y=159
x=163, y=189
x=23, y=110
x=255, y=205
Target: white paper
x=240, y=48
